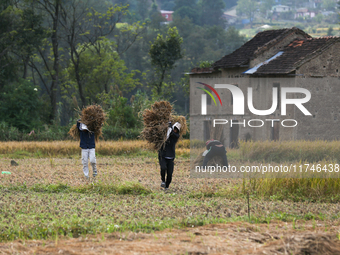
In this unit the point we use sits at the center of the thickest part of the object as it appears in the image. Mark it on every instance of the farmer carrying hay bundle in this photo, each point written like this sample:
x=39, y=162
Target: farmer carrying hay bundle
x=162, y=129
x=88, y=130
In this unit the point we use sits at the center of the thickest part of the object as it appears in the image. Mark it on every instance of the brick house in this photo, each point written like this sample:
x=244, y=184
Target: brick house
x=272, y=60
x=167, y=15
x=304, y=12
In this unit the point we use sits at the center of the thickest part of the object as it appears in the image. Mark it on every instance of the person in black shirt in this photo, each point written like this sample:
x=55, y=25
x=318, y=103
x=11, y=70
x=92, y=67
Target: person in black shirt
x=215, y=148
x=87, y=144
x=167, y=155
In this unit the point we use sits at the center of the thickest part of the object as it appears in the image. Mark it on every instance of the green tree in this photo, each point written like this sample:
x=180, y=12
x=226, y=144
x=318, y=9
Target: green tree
x=20, y=33
x=86, y=26
x=212, y=13
x=46, y=62
x=186, y=11
x=329, y=5
x=120, y=113
x=142, y=8
x=20, y=105
x=234, y=40
x=186, y=8
x=167, y=5
x=164, y=53
x=100, y=68
x=247, y=8
x=155, y=16
x=330, y=31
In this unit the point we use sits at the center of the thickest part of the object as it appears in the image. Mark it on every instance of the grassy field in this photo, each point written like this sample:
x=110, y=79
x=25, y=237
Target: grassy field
x=46, y=196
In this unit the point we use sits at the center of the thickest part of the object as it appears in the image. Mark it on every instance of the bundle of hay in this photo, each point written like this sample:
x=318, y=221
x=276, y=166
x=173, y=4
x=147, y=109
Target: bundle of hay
x=156, y=122
x=93, y=117
x=216, y=160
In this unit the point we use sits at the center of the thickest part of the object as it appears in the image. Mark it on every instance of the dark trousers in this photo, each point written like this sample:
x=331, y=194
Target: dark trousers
x=216, y=151
x=167, y=168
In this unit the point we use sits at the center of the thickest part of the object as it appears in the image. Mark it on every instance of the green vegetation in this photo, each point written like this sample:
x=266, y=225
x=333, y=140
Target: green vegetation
x=98, y=52
x=42, y=212
x=111, y=55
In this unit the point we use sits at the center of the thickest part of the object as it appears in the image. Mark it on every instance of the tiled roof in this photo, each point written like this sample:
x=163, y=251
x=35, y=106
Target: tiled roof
x=295, y=54
x=250, y=49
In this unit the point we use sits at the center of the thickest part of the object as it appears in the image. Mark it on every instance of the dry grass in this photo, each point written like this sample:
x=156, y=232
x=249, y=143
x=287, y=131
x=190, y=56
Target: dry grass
x=66, y=148
x=231, y=238
x=286, y=151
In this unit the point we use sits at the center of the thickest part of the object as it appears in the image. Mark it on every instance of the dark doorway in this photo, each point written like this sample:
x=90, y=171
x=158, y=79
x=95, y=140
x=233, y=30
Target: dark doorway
x=275, y=131
x=206, y=129
x=234, y=130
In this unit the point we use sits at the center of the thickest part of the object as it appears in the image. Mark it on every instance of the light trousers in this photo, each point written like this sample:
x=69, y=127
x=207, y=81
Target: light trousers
x=87, y=154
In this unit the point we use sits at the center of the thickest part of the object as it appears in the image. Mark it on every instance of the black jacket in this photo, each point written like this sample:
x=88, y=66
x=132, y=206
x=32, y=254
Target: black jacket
x=87, y=139
x=213, y=143
x=170, y=145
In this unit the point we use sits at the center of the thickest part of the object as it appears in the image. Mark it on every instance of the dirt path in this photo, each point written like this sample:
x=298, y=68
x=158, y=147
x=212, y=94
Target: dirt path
x=233, y=238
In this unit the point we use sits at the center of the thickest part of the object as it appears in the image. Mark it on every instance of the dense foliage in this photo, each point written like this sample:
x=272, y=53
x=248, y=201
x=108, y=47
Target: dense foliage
x=57, y=56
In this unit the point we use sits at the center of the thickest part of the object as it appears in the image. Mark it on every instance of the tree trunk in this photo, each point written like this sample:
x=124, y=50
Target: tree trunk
x=159, y=89
x=55, y=75
x=80, y=88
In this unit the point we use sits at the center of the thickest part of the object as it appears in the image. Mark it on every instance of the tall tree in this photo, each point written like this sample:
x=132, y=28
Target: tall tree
x=50, y=51
x=100, y=68
x=86, y=26
x=164, y=53
x=187, y=8
x=212, y=13
x=20, y=33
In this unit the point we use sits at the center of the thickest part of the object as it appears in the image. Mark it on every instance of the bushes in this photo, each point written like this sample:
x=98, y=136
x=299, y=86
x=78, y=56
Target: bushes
x=21, y=105
x=58, y=133
x=116, y=133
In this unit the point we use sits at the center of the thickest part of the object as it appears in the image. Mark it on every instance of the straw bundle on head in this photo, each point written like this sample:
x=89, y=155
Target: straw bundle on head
x=156, y=122
x=74, y=132
x=93, y=117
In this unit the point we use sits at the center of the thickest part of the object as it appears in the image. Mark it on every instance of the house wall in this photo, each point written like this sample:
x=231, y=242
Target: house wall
x=262, y=100
x=323, y=105
x=323, y=80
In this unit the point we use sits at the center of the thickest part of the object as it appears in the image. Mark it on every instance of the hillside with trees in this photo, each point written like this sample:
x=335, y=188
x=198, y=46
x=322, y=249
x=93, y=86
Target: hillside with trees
x=59, y=56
